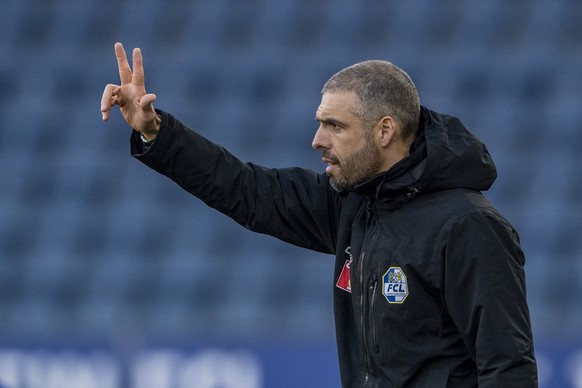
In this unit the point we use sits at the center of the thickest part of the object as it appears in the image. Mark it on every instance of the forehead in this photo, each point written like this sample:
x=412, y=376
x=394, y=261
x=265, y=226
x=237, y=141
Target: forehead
x=337, y=104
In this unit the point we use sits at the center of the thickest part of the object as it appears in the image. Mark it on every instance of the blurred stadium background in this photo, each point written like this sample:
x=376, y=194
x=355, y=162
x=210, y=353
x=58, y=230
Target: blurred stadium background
x=110, y=273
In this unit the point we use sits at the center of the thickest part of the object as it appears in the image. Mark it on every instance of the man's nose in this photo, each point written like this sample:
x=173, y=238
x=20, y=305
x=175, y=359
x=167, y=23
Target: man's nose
x=319, y=140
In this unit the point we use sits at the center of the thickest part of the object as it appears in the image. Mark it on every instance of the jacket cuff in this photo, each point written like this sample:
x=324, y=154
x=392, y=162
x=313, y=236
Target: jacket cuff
x=142, y=151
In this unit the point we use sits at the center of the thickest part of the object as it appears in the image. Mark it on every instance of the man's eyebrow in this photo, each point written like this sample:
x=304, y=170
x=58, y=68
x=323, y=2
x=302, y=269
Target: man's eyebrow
x=330, y=120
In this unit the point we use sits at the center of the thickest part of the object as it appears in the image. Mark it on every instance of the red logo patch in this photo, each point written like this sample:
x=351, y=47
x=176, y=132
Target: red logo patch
x=344, y=279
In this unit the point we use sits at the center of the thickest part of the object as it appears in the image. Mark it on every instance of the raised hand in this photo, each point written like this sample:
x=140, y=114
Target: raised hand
x=135, y=105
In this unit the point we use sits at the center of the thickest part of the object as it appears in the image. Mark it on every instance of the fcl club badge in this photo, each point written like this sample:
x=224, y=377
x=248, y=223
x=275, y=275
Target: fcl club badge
x=395, y=285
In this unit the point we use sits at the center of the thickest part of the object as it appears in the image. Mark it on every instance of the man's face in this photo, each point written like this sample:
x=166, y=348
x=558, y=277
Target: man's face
x=347, y=147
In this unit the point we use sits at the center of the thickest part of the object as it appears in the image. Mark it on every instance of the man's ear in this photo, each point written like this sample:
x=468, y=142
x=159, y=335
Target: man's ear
x=387, y=131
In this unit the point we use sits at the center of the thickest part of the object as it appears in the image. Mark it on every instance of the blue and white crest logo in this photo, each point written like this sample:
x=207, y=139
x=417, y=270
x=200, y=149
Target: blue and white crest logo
x=395, y=287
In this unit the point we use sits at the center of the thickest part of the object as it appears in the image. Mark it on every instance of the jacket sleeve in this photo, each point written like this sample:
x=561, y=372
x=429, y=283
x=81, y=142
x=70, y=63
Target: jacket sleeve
x=292, y=204
x=485, y=296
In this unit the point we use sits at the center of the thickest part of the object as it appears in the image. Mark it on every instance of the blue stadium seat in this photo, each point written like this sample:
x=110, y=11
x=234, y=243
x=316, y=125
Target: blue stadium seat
x=80, y=217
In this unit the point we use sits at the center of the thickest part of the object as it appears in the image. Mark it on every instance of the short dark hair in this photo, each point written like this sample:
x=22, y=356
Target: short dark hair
x=383, y=89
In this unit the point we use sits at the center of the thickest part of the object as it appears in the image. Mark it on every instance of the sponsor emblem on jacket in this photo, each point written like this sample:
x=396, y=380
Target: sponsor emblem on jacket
x=343, y=282
x=395, y=285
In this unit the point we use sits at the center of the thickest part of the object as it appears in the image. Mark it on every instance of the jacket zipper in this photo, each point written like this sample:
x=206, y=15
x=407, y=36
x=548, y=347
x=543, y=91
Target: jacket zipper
x=362, y=295
x=362, y=320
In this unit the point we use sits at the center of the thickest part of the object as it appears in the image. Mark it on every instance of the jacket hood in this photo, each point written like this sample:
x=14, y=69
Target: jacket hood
x=445, y=155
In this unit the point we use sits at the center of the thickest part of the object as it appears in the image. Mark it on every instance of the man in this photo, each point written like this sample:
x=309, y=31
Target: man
x=429, y=277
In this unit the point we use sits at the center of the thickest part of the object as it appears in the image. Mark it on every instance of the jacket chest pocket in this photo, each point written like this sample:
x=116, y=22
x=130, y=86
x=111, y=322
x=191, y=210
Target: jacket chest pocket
x=379, y=265
x=400, y=295
x=372, y=321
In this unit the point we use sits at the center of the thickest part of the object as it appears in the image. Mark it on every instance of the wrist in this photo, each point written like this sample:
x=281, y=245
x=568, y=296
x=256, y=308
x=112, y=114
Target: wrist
x=150, y=134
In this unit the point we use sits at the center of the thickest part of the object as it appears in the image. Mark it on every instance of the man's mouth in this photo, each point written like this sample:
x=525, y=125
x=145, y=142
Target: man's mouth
x=332, y=163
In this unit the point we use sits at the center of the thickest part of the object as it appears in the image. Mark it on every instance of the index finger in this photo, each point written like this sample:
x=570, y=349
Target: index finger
x=124, y=70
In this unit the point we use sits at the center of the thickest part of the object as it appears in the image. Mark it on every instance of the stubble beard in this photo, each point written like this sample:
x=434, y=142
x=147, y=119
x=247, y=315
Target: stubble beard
x=357, y=167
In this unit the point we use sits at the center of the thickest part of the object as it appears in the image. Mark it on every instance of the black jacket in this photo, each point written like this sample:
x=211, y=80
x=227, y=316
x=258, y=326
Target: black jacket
x=429, y=278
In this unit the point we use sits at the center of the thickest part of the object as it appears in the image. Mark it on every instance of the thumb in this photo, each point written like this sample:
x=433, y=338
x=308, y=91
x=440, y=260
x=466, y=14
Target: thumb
x=146, y=101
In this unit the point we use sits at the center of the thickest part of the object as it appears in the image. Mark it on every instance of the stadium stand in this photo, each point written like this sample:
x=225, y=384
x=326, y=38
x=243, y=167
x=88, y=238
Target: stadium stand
x=92, y=244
